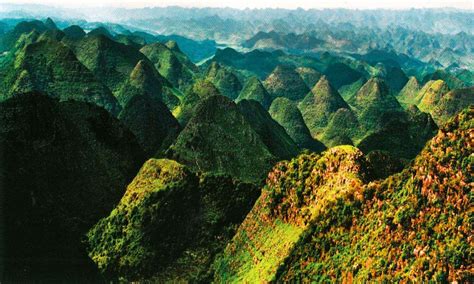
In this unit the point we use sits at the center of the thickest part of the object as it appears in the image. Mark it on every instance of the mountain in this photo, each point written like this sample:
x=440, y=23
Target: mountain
x=146, y=80
x=309, y=75
x=409, y=92
x=274, y=40
x=111, y=62
x=452, y=81
x=452, y=103
x=51, y=67
x=225, y=80
x=396, y=79
x=403, y=136
x=348, y=91
x=384, y=228
x=272, y=134
x=167, y=217
x=64, y=166
x=219, y=139
x=261, y=63
x=74, y=32
x=171, y=63
x=342, y=129
x=319, y=104
x=151, y=122
x=286, y=209
x=10, y=38
x=100, y=31
x=254, y=90
x=431, y=93
x=287, y=114
x=284, y=81
x=340, y=74
x=372, y=102
x=200, y=90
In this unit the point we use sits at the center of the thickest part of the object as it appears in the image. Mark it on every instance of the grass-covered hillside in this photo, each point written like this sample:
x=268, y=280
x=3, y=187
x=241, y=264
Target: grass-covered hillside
x=317, y=213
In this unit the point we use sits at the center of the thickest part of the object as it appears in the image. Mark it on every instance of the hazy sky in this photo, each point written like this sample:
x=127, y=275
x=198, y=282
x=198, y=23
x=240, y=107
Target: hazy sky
x=241, y=4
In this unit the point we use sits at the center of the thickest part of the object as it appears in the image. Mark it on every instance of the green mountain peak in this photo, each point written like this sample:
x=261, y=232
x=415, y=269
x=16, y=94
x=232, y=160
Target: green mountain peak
x=284, y=81
x=319, y=104
x=254, y=90
x=287, y=114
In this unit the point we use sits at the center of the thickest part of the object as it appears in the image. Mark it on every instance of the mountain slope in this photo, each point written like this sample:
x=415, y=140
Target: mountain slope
x=284, y=211
x=287, y=114
x=151, y=122
x=316, y=214
x=171, y=63
x=225, y=80
x=371, y=104
x=319, y=105
x=284, y=81
x=451, y=103
x=110, y=61
x=51, y=67
x=254, y=90
x=171, y=216
x=271, y=133
x=409, y=92
x=64, y=166
x=219, y=139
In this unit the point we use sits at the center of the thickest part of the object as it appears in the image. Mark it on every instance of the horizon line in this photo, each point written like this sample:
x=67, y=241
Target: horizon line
x=470, y=9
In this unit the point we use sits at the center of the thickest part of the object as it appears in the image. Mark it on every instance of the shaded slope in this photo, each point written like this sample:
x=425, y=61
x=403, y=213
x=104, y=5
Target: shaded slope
x=403, y=136
x=272, y=134
x=340, y=74
x=151, y=122
x=63, y=167
x=51, y=67
x=254, y=90
x=225, y=80
x=219, y=139
x=288, y=115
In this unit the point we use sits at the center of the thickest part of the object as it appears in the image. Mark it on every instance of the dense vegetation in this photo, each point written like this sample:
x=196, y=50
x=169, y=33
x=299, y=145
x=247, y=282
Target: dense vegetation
x=317, y=213
x=319, y=151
